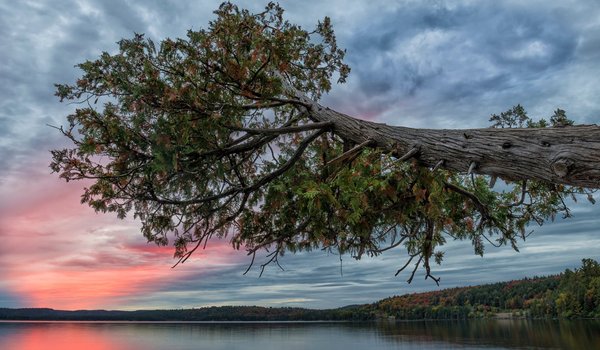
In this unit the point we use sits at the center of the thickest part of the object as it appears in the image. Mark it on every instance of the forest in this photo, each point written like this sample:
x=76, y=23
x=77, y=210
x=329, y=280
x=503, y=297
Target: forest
x=571, y=294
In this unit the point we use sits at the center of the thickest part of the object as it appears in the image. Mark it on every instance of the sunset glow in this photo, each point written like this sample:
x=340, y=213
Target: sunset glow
x=74, y=258
x=413, y=64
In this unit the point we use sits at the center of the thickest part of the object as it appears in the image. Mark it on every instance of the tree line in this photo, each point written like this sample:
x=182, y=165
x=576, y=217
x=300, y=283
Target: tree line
x=572, y=294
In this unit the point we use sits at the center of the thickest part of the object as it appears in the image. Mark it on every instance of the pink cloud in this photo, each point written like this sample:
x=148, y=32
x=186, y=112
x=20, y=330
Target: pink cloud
x=84, y=289
x=58, y=253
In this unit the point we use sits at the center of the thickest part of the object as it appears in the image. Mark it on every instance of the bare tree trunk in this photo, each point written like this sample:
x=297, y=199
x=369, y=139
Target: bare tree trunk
x=566, y=155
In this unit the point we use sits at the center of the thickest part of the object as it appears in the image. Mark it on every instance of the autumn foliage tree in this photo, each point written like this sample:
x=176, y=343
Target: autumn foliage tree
x=221, y=135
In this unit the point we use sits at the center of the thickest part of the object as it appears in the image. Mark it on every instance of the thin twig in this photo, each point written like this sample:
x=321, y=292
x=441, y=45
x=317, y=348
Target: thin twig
x=412, y=274
x=391, y=246
x=480, y=206
x=351, y=152
x=283, y=130
x=522, y=200
x=411, y=153
x=405, y=265
x=493, y=181
x=472, y=167
x=438, y=165
x=251, y=263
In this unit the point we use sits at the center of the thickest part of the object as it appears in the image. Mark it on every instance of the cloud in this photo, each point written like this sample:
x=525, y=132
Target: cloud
x=452, y=64
x=59, y=253
x=437, y=64
x=9, y=299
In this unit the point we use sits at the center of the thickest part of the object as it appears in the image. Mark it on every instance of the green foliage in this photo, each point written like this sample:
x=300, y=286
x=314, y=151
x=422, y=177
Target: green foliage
x=201, y=137
x=517, y=117
x=573, y=294
x=160, y=128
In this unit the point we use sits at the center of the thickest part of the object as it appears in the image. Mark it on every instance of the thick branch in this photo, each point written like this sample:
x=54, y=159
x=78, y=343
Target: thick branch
x=568, y=155
x=253, y=187
x=284, y=130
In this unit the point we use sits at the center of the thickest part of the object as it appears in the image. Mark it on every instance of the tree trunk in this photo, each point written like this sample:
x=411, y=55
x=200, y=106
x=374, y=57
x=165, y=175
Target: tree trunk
x=566, y=155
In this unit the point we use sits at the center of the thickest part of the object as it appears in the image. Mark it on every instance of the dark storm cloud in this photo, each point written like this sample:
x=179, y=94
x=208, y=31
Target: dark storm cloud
x=34, y=48
x=454, y=54
x=526, y=40
x=589, y=46
x=387, y=35
x=36, y=53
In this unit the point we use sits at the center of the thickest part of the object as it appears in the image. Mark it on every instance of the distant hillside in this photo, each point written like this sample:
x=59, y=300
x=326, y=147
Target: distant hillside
x=572, y=294
x=223, y=313
x=468, y=302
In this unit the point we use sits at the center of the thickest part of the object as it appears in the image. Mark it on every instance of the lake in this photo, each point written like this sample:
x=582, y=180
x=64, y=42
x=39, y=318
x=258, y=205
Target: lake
x=474, y=334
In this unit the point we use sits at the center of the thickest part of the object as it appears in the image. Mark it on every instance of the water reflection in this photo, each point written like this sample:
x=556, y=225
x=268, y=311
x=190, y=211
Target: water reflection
x=562, y=334
x=492, y=334
x=65, y=336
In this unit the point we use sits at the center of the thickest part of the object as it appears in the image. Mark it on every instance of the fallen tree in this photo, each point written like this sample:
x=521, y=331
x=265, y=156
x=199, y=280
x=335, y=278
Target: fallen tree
x=221, y=135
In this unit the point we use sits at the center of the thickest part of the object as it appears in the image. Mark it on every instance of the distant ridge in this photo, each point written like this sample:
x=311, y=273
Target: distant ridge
x=572, y=294
x=221, y=313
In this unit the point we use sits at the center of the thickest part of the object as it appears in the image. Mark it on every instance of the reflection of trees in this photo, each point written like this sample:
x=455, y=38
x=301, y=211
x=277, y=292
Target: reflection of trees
x=507, y=333
x=307, y=335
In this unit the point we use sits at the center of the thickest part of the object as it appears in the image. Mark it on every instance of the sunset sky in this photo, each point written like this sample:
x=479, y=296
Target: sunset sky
x=414, y=63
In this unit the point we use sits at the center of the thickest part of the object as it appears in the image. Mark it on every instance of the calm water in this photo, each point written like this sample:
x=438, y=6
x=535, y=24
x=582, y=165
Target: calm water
x=494, y=334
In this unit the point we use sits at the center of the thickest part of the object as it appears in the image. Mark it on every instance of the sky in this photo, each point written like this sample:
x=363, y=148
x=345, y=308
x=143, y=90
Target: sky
x=438, y=64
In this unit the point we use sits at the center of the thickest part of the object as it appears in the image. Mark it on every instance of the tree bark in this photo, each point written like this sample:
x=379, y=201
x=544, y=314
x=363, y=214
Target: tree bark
x=563, y=155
